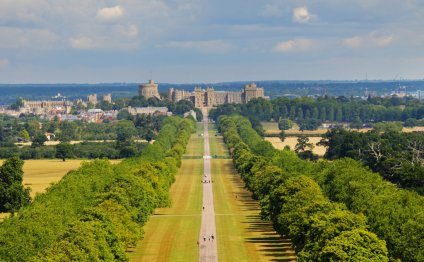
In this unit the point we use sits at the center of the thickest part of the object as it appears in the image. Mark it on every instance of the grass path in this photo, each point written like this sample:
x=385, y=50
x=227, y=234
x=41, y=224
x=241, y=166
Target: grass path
x=242, y=235
x=172, y=233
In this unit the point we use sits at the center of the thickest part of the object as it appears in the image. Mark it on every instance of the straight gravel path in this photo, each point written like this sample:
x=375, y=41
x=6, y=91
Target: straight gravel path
x=208, y=250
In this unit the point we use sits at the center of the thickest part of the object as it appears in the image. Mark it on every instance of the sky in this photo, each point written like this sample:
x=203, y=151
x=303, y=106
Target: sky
x=206, y=41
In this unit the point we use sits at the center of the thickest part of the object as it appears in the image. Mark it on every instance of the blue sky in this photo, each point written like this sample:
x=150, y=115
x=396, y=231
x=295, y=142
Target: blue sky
x=185, y=41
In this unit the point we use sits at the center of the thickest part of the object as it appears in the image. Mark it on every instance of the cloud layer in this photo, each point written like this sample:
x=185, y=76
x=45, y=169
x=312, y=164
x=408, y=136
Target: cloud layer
x=47, y=40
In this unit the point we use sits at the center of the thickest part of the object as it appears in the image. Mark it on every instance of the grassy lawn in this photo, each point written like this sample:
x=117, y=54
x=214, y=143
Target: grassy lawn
x=171, y=234
x=241, y=234
x=196, y=145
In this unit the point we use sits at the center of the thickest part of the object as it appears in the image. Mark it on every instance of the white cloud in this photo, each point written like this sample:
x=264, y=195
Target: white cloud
x=4, y=63
x=301, y=15
x=82, y=43
x=128, y=31
x=296, y=45
x=374, y=39
x=209, y=46
x=109, y=14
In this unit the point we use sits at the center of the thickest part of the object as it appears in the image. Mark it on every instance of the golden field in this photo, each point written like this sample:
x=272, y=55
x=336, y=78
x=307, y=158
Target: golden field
x=39, y=174
x=292, y=141
x=271, y=128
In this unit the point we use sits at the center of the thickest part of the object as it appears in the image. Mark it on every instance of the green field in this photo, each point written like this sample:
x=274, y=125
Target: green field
x=196, y=144
x=217, y=145
x=241, y=234
x=171, y=234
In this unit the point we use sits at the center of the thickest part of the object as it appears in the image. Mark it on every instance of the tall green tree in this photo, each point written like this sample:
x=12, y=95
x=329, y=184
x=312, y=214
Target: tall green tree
x=13, y=195
x=64, y=150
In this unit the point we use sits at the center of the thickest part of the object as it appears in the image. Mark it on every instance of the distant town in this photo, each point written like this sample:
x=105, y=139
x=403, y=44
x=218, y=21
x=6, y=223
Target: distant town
x=98, y=108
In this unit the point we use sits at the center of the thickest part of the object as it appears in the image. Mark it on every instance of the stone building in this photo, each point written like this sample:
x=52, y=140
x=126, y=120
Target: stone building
x=209, y=97
x=148, y=111
x=149, y=90
x=46, y=107
x=107, y=98
x=92, y=99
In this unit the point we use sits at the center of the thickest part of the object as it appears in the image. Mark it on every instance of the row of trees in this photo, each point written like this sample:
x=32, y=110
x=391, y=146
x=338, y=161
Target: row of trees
x=30, y=128
x=394, y=214
x=95, y=212
x=397, y=156
x=320, y=229
x=309, y=113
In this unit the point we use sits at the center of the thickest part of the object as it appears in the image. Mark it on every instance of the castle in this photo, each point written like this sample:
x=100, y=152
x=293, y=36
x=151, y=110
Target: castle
x=46, y=106
x=149, y=90
x=210, y=97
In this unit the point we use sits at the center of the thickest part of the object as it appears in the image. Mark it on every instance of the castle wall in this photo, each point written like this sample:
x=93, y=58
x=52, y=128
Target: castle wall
x=210, y=97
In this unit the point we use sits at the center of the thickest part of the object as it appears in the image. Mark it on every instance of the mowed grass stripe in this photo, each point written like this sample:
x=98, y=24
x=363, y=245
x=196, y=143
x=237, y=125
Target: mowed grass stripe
x=242, y=235
x=195, y=146
x=171, y=234
x=217, y=145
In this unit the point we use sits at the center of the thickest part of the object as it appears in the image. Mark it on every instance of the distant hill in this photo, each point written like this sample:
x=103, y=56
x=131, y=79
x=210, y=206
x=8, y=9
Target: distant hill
x=10, y=92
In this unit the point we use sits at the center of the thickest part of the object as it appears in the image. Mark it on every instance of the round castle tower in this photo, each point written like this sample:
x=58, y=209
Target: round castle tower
x=149, y=90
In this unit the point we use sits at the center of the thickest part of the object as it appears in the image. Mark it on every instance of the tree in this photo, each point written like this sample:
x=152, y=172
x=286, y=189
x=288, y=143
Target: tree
x=24, y=134
x=104, y=105
x=18, y=104
x=284, y=124
x=282, y=135
x=199, y=114
x=388, y=127
x=309, y=124
x=13, y=196
x=411, y=122
x=69, y=131
x=357, y=123
x=64, y=150
x=39, y=140
x=124, y=115
x=303, y=144
x=183, y=106
x=355, y=245
x=125, y=131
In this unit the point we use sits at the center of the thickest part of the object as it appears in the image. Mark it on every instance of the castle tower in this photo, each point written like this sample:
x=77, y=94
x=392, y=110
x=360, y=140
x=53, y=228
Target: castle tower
x=210, y=97
x=92, y=99
x=149, y=90
x=252, y=91
x=107, y=98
